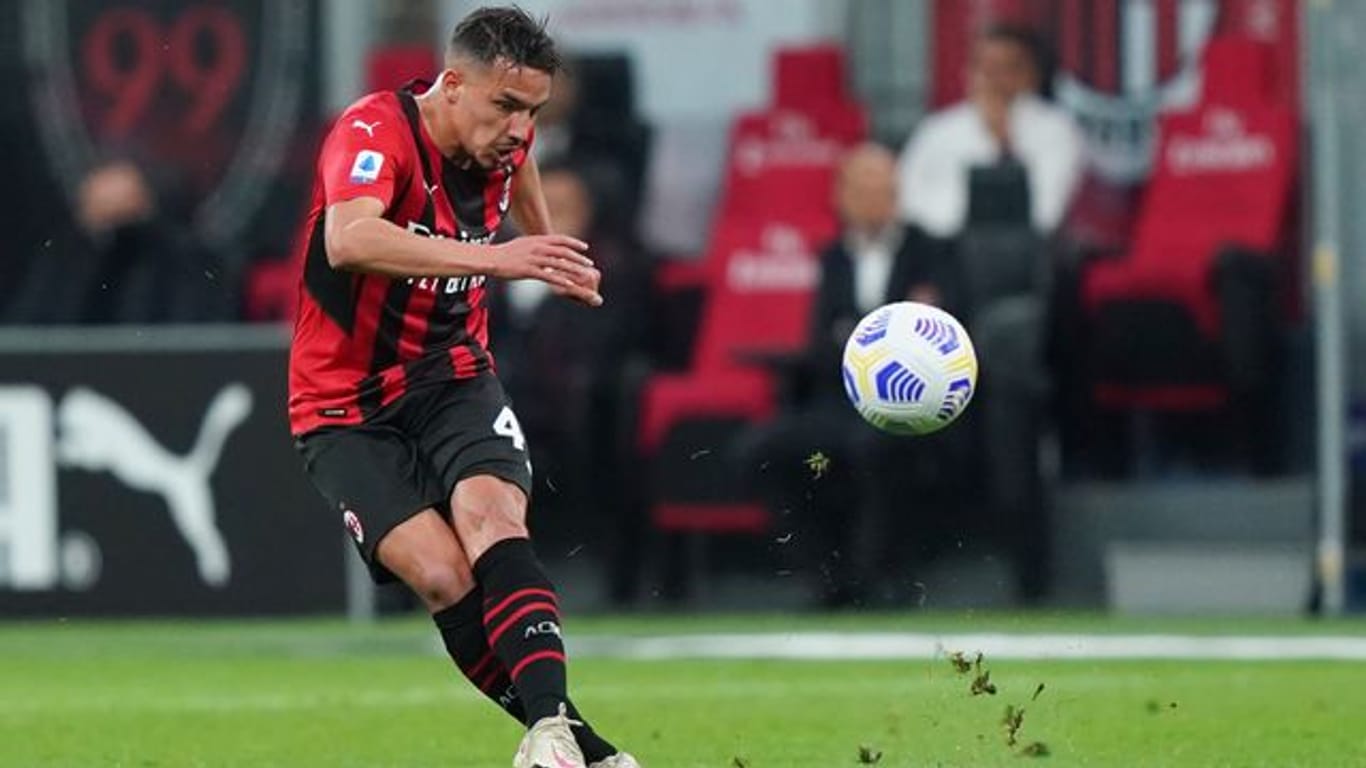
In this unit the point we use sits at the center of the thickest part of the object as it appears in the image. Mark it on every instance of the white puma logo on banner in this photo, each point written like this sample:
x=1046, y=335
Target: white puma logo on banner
x=95, y=433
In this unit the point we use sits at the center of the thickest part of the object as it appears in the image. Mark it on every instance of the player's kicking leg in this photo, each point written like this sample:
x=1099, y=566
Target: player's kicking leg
x=521, y=616
x=424, y=552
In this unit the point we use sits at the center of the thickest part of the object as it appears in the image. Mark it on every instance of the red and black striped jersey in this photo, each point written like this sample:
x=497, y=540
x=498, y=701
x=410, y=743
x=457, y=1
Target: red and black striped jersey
x=362, y=340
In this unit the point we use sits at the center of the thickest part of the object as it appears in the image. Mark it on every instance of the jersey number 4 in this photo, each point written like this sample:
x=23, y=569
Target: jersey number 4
x=505, y=425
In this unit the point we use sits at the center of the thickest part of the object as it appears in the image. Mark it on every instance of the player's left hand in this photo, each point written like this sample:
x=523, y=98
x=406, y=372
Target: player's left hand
x=587, y=281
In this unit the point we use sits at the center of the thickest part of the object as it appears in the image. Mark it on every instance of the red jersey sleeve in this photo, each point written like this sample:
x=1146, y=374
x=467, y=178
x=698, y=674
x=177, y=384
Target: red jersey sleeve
x=366, y=154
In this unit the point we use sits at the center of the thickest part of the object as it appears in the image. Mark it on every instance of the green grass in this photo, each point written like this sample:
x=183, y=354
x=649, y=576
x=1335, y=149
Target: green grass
x=318, y=693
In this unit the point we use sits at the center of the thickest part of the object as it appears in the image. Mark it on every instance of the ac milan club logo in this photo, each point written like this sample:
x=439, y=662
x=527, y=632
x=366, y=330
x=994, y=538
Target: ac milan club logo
x=1123, y=62
x=352, y=524
x=211, y=91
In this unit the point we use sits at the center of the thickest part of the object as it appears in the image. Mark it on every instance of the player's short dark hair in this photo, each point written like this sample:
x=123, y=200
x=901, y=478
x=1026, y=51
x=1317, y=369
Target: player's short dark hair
x=507, y=33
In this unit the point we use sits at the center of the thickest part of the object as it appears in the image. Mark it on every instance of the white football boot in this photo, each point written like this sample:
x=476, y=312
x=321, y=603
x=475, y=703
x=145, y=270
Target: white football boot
x=550, y=744
x=619, y=760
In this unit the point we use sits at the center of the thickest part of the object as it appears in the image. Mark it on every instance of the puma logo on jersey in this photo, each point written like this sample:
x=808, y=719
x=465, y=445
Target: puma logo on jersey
x=369, y=128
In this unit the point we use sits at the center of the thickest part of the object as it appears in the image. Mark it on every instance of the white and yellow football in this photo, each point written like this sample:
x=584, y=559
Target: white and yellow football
x=909, y=368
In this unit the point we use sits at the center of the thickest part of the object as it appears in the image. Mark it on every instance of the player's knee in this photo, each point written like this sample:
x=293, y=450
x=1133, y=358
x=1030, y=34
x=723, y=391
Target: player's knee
x=489, y=523
x=441, y=584
x=486, y=511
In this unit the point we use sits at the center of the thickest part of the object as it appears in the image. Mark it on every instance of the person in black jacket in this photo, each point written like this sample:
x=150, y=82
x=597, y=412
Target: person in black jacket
x=127, y=261
x=844, y=512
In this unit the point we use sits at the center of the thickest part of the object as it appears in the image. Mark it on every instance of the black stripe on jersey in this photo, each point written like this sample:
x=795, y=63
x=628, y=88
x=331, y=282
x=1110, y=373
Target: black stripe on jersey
x=481, y=355
x=435, y=365
x=439, y=325
x=369, y=394
x=385, y=351
x=410, y=111
x=443, y=330
x=332, y=289
x=465, y=190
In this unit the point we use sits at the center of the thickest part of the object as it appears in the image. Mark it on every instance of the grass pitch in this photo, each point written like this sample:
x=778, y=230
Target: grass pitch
x=320, y=693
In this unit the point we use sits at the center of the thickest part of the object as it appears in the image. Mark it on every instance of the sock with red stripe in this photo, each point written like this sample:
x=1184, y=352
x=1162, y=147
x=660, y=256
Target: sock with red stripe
x=462, y=630
x=522, y=618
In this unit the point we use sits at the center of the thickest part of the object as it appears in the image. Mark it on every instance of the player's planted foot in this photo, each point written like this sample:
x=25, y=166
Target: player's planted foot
x=619, y=760
x=550, y=744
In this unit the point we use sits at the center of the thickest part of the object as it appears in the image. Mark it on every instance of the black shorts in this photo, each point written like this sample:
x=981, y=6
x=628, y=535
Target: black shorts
x=411, y=453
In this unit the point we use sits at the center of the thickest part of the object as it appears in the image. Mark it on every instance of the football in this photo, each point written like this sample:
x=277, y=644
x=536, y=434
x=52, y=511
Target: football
x=909, y=368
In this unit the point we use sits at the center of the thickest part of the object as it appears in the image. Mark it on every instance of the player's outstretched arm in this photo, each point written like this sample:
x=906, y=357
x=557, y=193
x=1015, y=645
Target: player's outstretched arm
x=358, y=239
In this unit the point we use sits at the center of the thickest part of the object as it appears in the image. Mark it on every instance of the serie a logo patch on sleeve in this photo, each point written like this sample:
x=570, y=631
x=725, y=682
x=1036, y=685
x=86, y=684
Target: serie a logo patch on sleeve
x=366, y=168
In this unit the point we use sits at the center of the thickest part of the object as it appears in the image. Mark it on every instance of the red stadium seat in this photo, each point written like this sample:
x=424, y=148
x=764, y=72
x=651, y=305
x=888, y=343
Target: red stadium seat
x=763, y=277
x=758, y=275
x=389, y=67
x=780, y=168
x=271, y=291
x=809, y=78
x=1223, y=179
x=782, y=163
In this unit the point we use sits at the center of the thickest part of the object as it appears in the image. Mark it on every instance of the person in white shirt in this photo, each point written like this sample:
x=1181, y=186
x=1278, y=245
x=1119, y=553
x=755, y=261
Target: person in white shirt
x=1002, y=118
x=1025, y=158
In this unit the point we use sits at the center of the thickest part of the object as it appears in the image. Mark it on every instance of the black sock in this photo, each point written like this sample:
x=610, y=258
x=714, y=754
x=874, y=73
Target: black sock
x=522, y=618
x=594, y=747
x=462, y=629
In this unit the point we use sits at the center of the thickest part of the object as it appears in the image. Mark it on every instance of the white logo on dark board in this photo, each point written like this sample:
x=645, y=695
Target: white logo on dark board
x=97, y=434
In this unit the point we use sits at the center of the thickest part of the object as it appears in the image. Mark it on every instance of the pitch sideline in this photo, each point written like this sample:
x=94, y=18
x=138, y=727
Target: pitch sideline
x=834, y=646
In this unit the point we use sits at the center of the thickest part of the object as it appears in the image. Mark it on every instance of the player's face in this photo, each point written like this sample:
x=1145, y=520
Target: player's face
x=494, y=108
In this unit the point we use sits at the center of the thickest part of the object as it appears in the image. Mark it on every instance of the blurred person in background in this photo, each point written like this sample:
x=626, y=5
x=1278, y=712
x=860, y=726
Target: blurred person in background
x=127, y=262
x=849, y=516
x=1004, y=120
x=555, y=125
x=591, y=123
x=403, y=424
x=566, y=366
x=992, y=178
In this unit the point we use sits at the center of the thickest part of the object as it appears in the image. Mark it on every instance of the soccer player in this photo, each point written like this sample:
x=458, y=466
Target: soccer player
x=393, y=401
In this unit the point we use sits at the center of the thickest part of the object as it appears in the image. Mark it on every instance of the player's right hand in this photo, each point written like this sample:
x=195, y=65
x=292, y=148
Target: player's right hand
x=557, y=260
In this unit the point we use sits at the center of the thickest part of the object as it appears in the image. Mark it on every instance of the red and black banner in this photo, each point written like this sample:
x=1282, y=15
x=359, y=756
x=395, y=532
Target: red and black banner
x=213, y=99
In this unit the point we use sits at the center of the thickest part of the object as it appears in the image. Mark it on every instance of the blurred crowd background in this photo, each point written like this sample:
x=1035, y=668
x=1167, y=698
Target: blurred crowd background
x=1141, y=209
